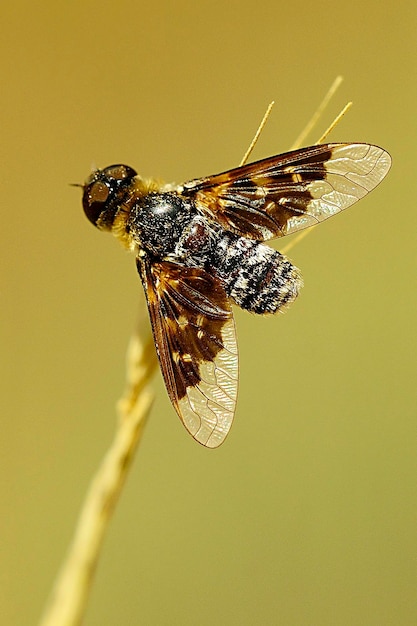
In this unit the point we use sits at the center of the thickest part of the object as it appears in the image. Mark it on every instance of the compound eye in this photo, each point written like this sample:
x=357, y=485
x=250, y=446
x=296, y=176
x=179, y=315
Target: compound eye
x=119, y=172
x=94, y=200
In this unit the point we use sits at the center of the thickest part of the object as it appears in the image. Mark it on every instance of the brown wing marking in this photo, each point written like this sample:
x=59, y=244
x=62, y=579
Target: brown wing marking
x=195, y=337
x=286, y=193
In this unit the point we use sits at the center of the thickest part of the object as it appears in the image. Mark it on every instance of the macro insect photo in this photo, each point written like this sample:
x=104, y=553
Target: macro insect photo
x=199, y=246
x=208, y=400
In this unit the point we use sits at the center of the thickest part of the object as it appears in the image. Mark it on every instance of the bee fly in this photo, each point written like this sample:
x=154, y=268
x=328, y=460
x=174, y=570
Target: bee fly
x=199, y=249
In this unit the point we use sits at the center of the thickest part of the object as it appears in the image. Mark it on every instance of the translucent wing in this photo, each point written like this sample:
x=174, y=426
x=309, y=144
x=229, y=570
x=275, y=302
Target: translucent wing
x=195, y=338
x=285, y=193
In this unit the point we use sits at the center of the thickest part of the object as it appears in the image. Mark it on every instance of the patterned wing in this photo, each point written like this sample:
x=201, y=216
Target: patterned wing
x=285, y=193
x=195, y=338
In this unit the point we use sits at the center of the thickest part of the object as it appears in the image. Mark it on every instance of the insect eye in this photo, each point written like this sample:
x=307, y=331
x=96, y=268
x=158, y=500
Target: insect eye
x=119, y=172
x=98, y=192
x=94, y=200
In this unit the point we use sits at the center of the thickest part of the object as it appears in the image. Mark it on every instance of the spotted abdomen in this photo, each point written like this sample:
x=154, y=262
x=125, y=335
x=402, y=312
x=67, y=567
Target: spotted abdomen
x=258, y=278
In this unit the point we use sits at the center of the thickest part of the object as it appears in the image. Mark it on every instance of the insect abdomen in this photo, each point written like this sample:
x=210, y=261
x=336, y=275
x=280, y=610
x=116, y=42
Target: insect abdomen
x=258, y=278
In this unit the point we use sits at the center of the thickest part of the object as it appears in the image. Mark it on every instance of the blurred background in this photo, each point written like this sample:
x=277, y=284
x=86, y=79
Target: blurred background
x=307, y=514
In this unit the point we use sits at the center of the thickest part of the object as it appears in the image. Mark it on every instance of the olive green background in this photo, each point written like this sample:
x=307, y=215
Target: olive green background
x=306, y=516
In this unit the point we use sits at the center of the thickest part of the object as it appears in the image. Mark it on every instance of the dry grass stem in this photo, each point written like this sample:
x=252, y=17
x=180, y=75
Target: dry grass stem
x=67, y=604
x=334, y=123
x=258, y=132
x=319, y=112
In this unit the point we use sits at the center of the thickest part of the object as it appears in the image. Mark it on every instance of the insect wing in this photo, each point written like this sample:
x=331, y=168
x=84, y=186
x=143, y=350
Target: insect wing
x=286, y=193
x=195, y=337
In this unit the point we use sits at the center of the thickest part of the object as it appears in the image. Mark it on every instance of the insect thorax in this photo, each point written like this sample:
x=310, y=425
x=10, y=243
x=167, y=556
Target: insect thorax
x=157, y=221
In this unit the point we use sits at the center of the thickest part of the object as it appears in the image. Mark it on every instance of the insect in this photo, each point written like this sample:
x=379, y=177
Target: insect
x=199, y=248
